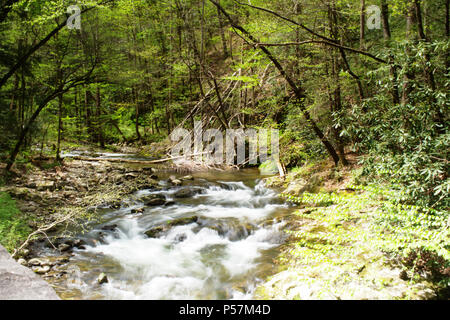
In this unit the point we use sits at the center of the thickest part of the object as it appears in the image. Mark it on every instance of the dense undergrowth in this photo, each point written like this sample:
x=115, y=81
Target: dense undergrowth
x=413, y=238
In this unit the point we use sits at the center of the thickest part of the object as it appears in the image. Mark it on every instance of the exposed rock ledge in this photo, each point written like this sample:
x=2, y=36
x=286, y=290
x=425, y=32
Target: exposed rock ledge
x=20, y=283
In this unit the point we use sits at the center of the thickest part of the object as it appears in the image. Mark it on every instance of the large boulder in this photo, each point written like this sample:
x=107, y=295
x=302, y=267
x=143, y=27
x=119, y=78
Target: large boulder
x=20, y=283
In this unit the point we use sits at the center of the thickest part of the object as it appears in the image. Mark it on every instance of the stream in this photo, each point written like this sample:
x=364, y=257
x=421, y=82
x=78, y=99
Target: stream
x=224, y=236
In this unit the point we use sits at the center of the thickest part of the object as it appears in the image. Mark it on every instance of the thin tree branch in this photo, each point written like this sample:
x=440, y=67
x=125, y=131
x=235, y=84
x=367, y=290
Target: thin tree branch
x=334, y=44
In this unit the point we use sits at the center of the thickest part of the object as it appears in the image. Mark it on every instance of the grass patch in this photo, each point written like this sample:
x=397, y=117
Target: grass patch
x=13, y=227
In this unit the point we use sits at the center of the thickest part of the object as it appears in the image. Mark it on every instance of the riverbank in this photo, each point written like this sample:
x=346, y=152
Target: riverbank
x=355, y=241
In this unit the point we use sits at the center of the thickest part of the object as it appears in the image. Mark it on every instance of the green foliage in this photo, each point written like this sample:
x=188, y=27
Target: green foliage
x=406, y=144
x=268, y=167
x=13, y=228
x=373, y=217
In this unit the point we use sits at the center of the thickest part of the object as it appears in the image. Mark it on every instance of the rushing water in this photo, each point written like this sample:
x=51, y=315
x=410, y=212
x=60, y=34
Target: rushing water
x=223, y=255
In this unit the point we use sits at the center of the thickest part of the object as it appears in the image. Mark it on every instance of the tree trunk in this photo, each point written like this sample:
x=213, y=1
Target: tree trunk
x=136, y=99
x=100, y=136
x=26, y=129
x=387, y=38
x=362, y=26
x=222, y=34
x=385, y=19
x=409, y=76
x=58, y=143
x=447, y=30
x=337, y=101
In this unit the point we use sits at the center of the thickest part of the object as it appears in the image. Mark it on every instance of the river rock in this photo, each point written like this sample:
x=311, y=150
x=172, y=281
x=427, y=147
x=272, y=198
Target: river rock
x=174, y=181
x=182, y=221
x=185, y=193
x=177, y=182
x=156, y=231
x=31, y=185
x=46, y=185
x=22, y=262
x=180, y=238
x=296, y=187
x=185, y=178
x=41, y=262
x=102, y=278
x=154, y=200
x=41, y=270
x=62, y=260
x=79, y=243
x=130, y=176
x=110, y=227
x=64, y=247
x=137, y=210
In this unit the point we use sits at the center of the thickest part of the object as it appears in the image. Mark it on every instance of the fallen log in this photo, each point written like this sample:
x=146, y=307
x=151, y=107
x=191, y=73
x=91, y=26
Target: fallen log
x=135, y=161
